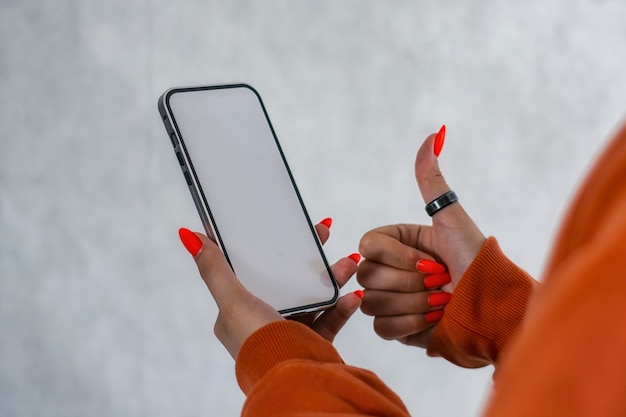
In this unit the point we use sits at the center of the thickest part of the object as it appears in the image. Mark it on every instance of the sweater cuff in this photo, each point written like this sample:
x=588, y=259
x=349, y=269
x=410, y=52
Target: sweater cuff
x=486, y=311
x=278, y=342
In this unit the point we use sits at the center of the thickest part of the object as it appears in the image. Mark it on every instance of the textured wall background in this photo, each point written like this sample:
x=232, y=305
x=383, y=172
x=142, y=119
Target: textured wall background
x=101, y=309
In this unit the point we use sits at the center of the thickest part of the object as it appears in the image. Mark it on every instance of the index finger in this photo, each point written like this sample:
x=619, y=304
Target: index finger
x=394, y=245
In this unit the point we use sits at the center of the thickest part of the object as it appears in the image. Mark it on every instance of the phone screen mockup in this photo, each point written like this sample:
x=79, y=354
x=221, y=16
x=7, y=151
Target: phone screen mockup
x=246, y=195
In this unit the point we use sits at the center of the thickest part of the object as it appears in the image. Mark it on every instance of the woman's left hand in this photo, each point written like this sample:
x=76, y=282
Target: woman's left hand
x=241, y=313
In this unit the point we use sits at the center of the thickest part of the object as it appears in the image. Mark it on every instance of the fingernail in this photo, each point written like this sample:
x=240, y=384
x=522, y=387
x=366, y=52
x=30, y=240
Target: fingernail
x=359, y=293
x=192, y=243
x=436, y=280
x=439, y=139
x=439, y=299
x=429, y=267
x=327, y=222
x=355, y=257
x=433, y=316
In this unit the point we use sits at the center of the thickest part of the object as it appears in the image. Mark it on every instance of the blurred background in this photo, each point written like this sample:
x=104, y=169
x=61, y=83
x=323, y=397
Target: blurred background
x=102, y=311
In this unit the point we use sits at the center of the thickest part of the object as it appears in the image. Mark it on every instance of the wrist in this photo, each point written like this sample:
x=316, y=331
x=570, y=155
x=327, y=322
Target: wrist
x=486, y=311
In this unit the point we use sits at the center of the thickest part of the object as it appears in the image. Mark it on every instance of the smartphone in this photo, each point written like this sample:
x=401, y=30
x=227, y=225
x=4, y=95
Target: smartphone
x=246, y=195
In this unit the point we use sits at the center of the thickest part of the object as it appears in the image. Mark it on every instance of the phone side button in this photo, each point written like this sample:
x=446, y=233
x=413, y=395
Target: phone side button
x=173, y=138
x=180, y=158
x=187, y=177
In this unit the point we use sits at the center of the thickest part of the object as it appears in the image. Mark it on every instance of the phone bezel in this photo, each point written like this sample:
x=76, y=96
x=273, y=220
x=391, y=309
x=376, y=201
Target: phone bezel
x=201, y=201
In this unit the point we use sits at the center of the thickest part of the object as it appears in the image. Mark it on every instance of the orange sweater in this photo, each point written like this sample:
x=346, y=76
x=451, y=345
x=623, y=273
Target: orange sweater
x=564, y=355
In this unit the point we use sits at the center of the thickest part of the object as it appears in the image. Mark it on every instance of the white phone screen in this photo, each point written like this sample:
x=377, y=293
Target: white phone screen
x=255, y=209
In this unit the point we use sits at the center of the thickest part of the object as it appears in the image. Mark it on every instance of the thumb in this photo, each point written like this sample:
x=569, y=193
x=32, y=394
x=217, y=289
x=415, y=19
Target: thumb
x=429, y=178
x=458, y=239
x=430, y=181
x=241, y=313
x=214, y=269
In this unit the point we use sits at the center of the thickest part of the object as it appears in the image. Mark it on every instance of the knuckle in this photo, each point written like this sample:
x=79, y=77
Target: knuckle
x=382, y=329
x=210, y=263
x=364, y=273
x=368, y=308
x=406, y=258
x=410, y=283
x=367, y=244
x=417, y=323
x=436, y=173
x=342, y=315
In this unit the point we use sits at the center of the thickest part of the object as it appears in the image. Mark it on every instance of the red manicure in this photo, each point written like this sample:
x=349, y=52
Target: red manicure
x=359, y=293
x=429, y=267
x=433, y=316
x=439, y=299
x=355, y=257
x=327, y=222
x=439, y=139
x=436, y=280
x=192, y=243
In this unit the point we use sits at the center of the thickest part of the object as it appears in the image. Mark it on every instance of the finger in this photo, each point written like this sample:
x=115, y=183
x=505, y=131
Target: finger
x=345, y=268
x=342, y=270
x=333, y=319
x=323, y=229
x=214, y=269
x=429, y=178
x=387, y=303
x=395, y=245
x=377, y=276
x=463, y=232
x=401, y=327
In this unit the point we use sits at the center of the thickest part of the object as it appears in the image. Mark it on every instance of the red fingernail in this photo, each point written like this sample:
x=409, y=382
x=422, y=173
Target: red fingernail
x=432, y=316
x=355, y=257
x=436, y=280
x=429, y=267
x=327, y=222
x=439, y=139
x=192, y=243
x=439, y=299
x=359, y=293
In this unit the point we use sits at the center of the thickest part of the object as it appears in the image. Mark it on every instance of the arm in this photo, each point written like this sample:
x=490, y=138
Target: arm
x=286, y=369
x=486, y=312
x=569, y=358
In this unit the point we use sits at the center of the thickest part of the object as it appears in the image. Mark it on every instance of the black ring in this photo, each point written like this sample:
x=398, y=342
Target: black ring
x=440, y=202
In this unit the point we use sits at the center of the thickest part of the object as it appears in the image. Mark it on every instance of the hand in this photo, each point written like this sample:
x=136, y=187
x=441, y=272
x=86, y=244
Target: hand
x=396, y=292
x=329, y=322
x=241, y=313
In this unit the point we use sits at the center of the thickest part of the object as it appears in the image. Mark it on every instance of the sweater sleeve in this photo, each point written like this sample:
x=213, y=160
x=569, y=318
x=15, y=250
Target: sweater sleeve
x=286, y=369
x=569, y=358
x=486, y=311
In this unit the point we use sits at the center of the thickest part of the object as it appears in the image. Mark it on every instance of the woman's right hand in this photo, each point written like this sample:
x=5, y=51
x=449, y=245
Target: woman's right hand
x=405, y=290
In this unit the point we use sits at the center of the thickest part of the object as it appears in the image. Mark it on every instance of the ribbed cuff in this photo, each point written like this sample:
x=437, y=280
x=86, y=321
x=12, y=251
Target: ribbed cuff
x=278, y=342
x=486, y=311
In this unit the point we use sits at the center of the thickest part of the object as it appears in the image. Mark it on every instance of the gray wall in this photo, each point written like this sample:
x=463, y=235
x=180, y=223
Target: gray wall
x=101, y=309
